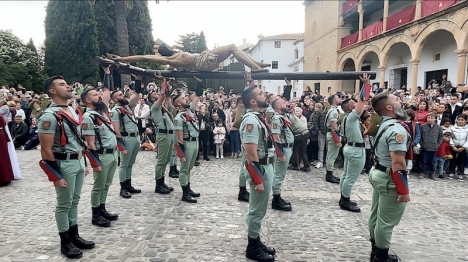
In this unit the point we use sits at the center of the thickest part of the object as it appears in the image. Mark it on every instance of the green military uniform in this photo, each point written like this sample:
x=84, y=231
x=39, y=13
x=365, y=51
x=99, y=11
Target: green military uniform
x=129, y=132
x=279, y=126
x=253, y=131
x=163, y=122
x=243, y=193
x=354, y=152
x=190, y=129
x=333, y=149
x=71, y=166
x=386, y=211
x=269, y=113
x=106, y=147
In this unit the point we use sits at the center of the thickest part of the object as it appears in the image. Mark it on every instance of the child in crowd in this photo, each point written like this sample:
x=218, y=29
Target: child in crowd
x=431, y=138
x=148, y=140
x=459, y=144
x=443, y=154
x=219, y=133
x=446, y=124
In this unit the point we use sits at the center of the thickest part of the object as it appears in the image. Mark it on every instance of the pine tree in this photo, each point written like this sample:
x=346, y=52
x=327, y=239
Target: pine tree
x=31, y=46
x=71, y=41
x=201, y=43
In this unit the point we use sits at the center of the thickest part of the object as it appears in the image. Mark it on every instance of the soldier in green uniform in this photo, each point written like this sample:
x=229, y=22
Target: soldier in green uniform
x=126, y=130
x=354, y=150
x=162, y=119
x=259, y=151
x=186, y=126
x=333, y=139
x=389, y=175
x=270, y=111
x=62, y=160
x=102, y=149
x=284, y=137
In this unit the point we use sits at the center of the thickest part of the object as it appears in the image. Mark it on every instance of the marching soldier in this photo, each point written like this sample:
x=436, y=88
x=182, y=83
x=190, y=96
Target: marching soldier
x=62, y=160
x=186, y=126
x=354, y=151
x=388, y=177
x=284, y=139
x=162, y=119
x=333, y=139
x=259, y=165
x=126, y=130
x=102, y=149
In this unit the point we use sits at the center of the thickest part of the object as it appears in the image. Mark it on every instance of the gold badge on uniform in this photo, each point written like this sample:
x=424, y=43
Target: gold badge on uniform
x=46, y=124
x=399, y=138
x=335, y=115
x=249, y=127
x=84, y=126
x=275, y=126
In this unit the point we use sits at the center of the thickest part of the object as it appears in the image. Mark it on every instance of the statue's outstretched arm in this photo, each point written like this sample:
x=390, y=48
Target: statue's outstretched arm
x=140, y=58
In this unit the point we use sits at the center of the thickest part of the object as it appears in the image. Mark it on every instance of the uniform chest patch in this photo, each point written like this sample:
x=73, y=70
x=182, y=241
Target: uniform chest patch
x=175, y=122
x=249, y=127
x=275, y=126
x=399, y=138
x=84, y=126
x=335, y=115
x=46, y=124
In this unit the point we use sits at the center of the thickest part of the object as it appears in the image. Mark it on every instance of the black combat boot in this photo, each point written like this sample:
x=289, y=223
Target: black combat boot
x=331, y=178
x=160, y=188
x=351, y=202
x=124, y=191
x=186, y=196
x=279, y=204
x=381, y=255
x=67, y=248
x=255, y=252
x=193, y=193
x=77, y=240
x=98, y=220
x=374, y=250
x=346, y=205
x=165, y=185
x=173, y=172
x=243, y=194
x=107, y=215
x=131, y=189
x=265, y=248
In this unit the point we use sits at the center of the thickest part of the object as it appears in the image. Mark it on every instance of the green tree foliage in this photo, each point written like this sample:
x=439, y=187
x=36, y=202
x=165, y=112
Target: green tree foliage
x=31, y=46
x=19, y=64
x=191, y=43
x=71, y=41
x=201, y=43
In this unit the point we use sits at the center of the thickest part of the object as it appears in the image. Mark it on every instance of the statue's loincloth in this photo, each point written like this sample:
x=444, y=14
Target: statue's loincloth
x=207, y=61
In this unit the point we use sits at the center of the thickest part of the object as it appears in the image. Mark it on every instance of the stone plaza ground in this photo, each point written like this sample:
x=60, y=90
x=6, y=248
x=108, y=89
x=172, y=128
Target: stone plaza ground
x=153, y=227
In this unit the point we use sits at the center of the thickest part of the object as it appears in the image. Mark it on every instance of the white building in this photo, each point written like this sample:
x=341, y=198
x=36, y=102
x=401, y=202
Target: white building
x=278, y=50
x=297, y=66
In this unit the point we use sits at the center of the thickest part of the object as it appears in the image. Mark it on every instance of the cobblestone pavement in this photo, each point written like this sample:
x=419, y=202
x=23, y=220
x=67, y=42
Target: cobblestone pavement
x=153, y=227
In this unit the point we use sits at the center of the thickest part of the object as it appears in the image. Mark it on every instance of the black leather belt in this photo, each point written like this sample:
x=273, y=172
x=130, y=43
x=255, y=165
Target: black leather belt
x=381, y=168
x=106, y=151
x=266, y=160
x=67, y=156
x=165, y=131
x=356, y=144
x=190, y=139
x=287, y=144
x=129, y=134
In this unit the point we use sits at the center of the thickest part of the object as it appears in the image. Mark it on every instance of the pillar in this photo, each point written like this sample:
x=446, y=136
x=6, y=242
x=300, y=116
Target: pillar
x=414, y=76
x=461, y=72
x=418, y=12
x=385, y=15
x=361, y=20
x=383, y=69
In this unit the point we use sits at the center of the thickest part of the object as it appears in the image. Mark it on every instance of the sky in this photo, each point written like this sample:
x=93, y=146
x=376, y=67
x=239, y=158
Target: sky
x=223, y=22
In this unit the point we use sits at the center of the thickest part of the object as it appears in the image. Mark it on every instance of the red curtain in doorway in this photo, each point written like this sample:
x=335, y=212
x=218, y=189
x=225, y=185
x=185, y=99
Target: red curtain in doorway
x=434, y=6
x=349, y=40
x=349, y=4
x=403, y=17
x=372, y=30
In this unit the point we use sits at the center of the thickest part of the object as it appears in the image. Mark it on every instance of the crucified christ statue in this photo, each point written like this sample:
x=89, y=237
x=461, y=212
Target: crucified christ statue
x=206, y=61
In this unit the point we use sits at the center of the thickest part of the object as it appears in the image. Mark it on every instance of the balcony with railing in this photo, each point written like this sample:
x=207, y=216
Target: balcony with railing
x=400, y=18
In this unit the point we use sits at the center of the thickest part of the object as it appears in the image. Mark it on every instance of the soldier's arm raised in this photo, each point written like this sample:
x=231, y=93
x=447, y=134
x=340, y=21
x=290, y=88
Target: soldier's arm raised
x=363, y=95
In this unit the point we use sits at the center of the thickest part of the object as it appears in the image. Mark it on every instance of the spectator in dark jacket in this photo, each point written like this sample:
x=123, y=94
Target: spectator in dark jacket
x=19, y=132
x=321, y=129
x=33, y=136
x=431, y=138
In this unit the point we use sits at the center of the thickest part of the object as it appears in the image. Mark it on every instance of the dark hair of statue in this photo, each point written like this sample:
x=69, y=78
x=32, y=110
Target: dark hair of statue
x=165, y=50
x=49, y=82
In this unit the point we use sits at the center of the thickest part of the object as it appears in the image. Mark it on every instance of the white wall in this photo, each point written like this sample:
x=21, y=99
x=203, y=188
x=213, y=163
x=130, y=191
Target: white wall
x=373, y=60
x=440, y=42
x=267, y=52
x=298, y=86
x=399, y=54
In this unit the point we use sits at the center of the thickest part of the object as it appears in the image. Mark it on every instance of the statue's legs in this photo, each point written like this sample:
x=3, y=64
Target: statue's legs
x=143, y=58
x=224, y=52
